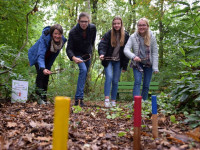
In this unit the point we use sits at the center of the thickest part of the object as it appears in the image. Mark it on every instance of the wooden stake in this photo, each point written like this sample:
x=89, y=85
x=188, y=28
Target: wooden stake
x=137, y=138
x=61, y=123
x=137, y=122
x=155, y=125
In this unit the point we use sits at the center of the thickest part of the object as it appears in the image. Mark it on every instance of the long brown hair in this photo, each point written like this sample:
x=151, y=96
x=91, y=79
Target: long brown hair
x=147, y=34
x=113, y=33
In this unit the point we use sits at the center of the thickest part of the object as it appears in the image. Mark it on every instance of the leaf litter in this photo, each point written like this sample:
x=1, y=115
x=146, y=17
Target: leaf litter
x=30, y=126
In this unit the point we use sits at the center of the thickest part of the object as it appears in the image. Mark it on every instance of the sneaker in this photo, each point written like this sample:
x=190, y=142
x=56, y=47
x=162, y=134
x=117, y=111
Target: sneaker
x=107, y=103
x=41, y=102
x=113, y=103
x=82, y=104
x=76, y=102
x=48, y=102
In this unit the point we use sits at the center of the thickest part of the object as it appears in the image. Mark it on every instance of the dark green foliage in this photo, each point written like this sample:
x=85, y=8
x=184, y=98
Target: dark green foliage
x=13, y=37
x=193, y=119
x=187, y=92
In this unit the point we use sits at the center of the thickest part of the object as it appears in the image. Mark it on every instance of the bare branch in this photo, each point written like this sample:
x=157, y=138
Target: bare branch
x=18, y=55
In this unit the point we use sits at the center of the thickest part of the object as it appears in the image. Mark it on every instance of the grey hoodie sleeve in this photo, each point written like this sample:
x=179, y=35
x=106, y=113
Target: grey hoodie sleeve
x=154, y=51
x=130, y=45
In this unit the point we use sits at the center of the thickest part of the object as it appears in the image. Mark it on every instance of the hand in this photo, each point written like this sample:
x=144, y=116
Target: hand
x=101, y=57
x=155, y=72
x=77, y=60
x=137, y=59
x=123, y=71
x=47, y=72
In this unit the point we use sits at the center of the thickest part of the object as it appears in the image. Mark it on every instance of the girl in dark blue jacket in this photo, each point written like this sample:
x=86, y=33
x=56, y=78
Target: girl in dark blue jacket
x=43, y=54
x=113, y=59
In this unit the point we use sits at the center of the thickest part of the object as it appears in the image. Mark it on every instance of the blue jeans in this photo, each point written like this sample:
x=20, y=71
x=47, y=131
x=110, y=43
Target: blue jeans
x=146, y=81
x=83, y=70
x=112, y=73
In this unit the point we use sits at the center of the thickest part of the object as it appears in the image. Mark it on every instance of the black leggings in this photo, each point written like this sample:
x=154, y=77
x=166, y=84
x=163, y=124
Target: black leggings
x=41, y=83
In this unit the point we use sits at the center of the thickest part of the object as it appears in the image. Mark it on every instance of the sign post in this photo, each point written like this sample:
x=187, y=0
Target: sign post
x=19, y=91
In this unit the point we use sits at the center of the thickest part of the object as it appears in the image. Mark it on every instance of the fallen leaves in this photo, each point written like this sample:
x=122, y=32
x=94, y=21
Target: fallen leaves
x=11, y=124
x=30, y=126
x=195, y=134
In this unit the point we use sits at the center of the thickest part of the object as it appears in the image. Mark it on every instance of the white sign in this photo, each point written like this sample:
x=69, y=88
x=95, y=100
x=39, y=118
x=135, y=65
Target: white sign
x=19, y=91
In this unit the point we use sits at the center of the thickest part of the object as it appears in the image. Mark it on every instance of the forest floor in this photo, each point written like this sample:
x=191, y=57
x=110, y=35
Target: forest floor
x=30, y=126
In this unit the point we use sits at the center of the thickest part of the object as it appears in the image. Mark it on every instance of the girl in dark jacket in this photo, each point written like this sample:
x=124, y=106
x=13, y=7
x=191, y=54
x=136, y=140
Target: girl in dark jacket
x=113, y=59
x=80, y=43
x=43, y=54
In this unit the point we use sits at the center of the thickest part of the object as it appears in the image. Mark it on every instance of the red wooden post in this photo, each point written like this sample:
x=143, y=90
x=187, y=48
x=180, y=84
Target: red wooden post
x=137, y=122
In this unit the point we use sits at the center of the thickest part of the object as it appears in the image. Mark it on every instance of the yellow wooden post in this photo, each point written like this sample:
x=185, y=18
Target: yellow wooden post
x=61, y=122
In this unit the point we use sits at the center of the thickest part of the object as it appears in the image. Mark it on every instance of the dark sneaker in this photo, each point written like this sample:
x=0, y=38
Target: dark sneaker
x=76, y=102
x=82, y=104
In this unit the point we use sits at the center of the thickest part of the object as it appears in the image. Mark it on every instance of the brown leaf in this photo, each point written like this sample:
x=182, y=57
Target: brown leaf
x=94, y=147
x=33, y=124
x=175, y=140
x=11, y=124
x=195, y=134
x=12, y=115
x=13, y=133
x=43, y=143
x=28, y=137
x=161, y=120
x=87, y=147
x=35, y=103
x=22, y=113
x=174, y=148
x=184, y=147
x=182, y=138
x=101, y=134
x=165, y=143
x=145, y=134
x=43, y=138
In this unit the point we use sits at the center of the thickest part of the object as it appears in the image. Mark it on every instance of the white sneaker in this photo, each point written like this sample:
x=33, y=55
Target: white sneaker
x=107, y=103
x=113, y=104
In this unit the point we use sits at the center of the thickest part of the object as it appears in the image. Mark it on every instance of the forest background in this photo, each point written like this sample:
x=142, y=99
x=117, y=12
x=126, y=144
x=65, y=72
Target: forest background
x=176, y=24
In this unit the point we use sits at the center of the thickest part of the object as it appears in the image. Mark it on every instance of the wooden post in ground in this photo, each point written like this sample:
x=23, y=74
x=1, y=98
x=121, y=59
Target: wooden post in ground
x=61, y=122
x=154, y=117
x=137, y=122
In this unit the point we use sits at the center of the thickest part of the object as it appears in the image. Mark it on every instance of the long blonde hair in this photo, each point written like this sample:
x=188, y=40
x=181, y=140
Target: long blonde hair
x=147, y=34
x=113, y=33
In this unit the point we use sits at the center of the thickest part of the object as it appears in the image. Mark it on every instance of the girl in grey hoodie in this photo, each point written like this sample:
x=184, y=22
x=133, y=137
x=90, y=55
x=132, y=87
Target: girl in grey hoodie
x=144, y=57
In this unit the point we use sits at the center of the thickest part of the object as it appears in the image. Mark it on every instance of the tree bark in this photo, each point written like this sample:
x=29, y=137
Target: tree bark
x=161, y=36
x=132, y=17
x=93, y=57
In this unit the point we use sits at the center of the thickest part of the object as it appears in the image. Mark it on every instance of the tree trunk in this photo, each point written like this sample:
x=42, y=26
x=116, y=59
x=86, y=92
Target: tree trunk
x=132, y=17
x=93, y=59
x=161, y=31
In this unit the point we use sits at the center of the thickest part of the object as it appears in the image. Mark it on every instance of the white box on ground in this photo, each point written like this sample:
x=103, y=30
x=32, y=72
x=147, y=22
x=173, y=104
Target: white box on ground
x=19, y=91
